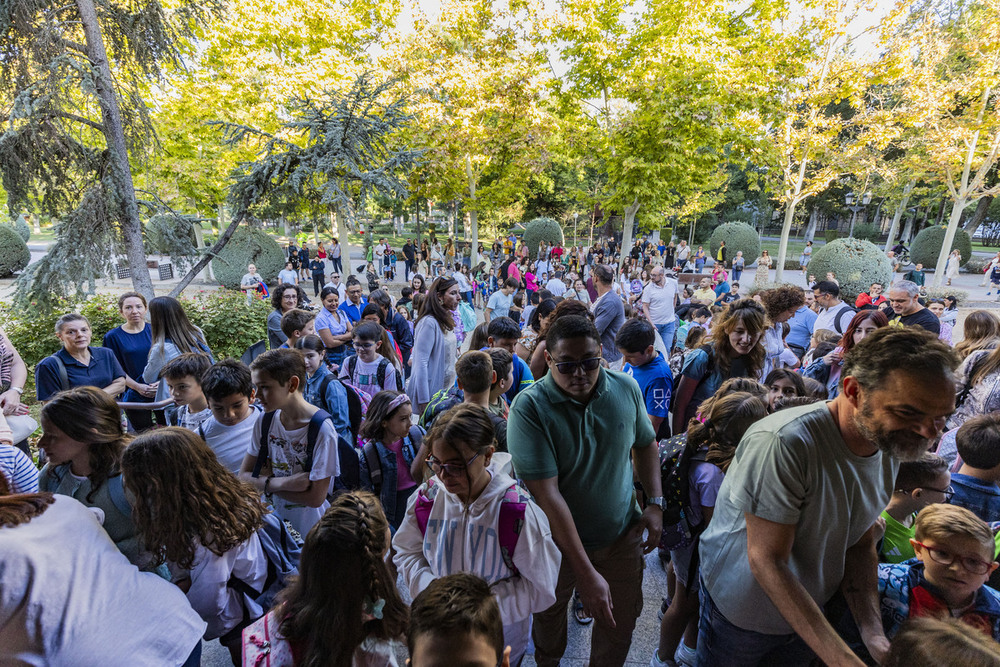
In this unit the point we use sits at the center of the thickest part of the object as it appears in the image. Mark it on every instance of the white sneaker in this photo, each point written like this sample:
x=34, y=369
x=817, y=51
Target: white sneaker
x=686, y=656
x=656, y=662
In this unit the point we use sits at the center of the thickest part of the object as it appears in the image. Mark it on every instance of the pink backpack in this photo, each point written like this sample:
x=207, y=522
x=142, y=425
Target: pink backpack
x=510, y=523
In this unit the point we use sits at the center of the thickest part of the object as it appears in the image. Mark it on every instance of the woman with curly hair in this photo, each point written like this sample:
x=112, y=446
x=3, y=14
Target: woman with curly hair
x=284, y=298
x=826, y=369
x=735, y=350
x=193, y=513
x=343, y=609
x=780, y=304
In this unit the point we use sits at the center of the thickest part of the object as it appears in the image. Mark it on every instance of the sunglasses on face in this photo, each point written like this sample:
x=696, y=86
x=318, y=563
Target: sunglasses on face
x=570, y=367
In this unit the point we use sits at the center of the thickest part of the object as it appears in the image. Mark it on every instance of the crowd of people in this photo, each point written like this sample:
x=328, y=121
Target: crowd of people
x=819, y=476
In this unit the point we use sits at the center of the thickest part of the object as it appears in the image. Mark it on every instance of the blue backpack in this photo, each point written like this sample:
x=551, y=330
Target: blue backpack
x=282, y=552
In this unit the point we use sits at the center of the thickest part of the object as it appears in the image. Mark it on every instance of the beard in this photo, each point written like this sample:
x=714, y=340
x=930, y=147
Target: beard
x=902, y=445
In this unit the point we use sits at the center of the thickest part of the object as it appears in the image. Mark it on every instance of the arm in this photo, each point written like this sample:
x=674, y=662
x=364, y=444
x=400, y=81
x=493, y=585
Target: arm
x=10, y=400
x=274, y=327
x=860, y=589
x=423, y=344
x=769, y=546
x=646, y=461
x=409, y=557
x=537, y=362
x=116, y=387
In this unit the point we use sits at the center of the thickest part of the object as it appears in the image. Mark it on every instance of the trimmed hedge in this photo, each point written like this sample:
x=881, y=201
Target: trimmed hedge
x=856, y=264
x=738, y=236
x=248, y=245
x=14, y=253
x=542, y=229
x=867, y=232
x=22, y=228
x=927, y=246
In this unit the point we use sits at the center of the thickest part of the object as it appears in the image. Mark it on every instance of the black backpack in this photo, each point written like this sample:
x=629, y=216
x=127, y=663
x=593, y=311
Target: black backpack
x=676, y=457
x=350, y=466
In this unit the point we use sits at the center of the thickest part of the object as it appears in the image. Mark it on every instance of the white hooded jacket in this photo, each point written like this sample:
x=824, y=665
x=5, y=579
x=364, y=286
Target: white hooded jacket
x=462, y=538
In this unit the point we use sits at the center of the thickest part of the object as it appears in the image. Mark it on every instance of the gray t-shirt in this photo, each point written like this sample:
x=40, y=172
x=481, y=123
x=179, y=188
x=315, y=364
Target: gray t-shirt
x=791, y=468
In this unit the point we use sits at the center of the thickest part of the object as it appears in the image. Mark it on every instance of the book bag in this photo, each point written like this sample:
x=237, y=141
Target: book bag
x=676, y=457
x=468, y=316
x=380, y=373
x=440, y=402
x=116, y=487
x=369, y=451
x=357, y=404
x=282, y=553
x=513, y=507
x=350, y=466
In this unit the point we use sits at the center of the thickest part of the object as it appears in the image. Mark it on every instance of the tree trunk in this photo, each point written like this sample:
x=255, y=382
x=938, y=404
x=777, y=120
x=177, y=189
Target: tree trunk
x=114, y=133
x=810, y=233
x=898, y=215
x=626, y=247
x=786, y=229
x=949, y=237
x=473, y=213
x=345, y=251
x=982, y=207
x=908, y=228
x=209, y=254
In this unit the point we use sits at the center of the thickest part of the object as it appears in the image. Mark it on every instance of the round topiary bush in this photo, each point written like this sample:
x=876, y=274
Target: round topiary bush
x=855, y=263
x=739, y=236
x=541, y=229
x=22, y=228
x=14, y=253
x=248, y=245
x=927, y=246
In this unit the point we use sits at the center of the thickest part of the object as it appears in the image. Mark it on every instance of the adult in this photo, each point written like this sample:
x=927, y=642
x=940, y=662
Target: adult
x=658, y=300
x=720, y=256
x=336, y=256
x=936, y=306
x=579, y=292
x=173, y=335
x=871, y=299
x=304, y=262
x=953, y=264
x=537, y=320
x=805, y=257
x=801, y=325
x=130, y=344
x=333, y=326
x=739, y=263
x=288, y=274
x=77, y=364
x=355, y=302
x=394, y=323
x=409, y=257
x=318, y=269
x=827, y=369
x=337, y=284
x=501, y=301
x=734, y=351
x=284, y=298
x=763, y=274
x=609, y=314
x=704, y=295
x=781, y=304
x=794, y=520
x=435, y=346
x=834, y=314
x=577, y=437
x=13, y=376
x=251, y=283
x=556, y=284
x=536, y=360
x=904, y=297
x=683, y=252
x=461, y=276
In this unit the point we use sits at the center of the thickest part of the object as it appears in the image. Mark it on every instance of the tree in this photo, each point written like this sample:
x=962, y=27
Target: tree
x=73, y=120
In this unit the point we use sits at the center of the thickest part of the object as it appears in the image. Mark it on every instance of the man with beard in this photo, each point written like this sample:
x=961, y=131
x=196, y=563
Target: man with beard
x=794, y=518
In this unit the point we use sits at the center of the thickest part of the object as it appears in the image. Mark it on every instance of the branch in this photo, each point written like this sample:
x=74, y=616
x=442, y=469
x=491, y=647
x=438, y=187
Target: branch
x=209, y=254
x=74, y=46
x=79, y=119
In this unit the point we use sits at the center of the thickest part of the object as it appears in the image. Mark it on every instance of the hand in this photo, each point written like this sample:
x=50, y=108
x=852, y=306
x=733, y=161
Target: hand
x=148, y=390
x=879, y=532
x=651, y=522
x=878, y=646
x=596, y=598
x=9, y=401
x=834, y=356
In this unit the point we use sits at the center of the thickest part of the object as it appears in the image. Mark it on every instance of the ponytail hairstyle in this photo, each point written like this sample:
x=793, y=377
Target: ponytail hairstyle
x=751, y=315
x=344, y=593
x=89, y=415
x=724, y=423
x=311, y=342
x=185, y=498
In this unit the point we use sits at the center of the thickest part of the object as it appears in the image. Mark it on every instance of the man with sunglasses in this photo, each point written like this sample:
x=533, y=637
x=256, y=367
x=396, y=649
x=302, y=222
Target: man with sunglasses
x=573, y=436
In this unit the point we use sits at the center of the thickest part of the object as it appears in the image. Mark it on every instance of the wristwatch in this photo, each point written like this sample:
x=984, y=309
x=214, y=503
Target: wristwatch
x=19, y=390
x=655, y=500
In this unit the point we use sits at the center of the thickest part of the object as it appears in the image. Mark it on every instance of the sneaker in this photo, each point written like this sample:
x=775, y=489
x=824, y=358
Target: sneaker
x=656, y=662
x=686, y=656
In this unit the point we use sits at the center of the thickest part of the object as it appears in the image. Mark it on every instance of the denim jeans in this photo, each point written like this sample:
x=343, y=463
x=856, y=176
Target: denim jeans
x=722, y=643
x=667, y=330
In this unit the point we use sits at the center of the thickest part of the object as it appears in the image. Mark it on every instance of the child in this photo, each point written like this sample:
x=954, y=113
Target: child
x=405, y=298
x=297, y=477
x=194, y=514
x=388, y=453
x=918, y=484
x=389, y=349
x=504, y=333
x=84, y=440
x=370, y=371
x=782, y=382
x=955, y=553
x=931, y=642
x=503, y=369
x=402, y=310
x=635, y=340
x=456, y=621
x=183, y=377
x=329, y=396
x=230, y=396
x=978, y=442
x=295, y=324
x=468, y=498
x=16, y=466
x=343, y=608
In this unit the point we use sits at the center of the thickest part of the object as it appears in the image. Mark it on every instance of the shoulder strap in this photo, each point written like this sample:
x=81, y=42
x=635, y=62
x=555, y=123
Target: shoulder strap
x=383, y=366
x=510, y=523
x=374, y=463
x=315, y=424
x=352, y=364
x=323, y=386
x=116, y=489
x=60, y=371
x=265, y=429
x=201, y=430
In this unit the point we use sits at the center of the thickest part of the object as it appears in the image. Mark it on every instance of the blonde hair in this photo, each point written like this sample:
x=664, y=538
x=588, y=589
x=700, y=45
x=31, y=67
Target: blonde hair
x=942, y=522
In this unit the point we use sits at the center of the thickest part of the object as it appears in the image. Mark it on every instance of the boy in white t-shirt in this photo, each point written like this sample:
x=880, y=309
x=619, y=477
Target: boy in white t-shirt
x=295, y=479
x=183, y=377
x=370, y=371
x=229, y=391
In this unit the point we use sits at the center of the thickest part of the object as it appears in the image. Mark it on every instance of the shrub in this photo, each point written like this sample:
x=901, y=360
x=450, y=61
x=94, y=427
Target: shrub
x=831, y=235
x=541, y=229
x=102, y=311
x=230, y=324
x=961, y=296
x=867, y=232
x=22, y=228
x=739, y=236
x=14, y=253
x=248, y=245
x=927, y=245
x=856, y=264
x=978, y=265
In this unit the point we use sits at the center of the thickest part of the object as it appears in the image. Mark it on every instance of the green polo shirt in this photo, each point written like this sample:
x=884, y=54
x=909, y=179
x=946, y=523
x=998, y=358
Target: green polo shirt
x=587, y=446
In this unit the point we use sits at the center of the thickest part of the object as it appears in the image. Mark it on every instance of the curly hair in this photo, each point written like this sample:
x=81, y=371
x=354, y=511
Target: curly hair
x=277, y=292
x=89, y=415
x=982, y=332
x=185, y=498
x=724, y=424
x=341, y=571
x=751, y=315
x=782, y=299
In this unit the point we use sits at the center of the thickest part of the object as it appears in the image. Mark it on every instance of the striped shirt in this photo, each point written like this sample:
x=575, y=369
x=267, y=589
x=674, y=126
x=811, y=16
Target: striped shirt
x=19, y=470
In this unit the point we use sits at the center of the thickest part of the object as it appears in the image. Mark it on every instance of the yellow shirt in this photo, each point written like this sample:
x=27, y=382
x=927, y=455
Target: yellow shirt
x=704, y=295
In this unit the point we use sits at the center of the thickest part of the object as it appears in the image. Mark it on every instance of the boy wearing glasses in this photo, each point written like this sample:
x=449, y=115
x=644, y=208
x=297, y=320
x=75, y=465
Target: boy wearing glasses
x=978, y=443
x=370, y=371
x=918, y=484
x=955, y=556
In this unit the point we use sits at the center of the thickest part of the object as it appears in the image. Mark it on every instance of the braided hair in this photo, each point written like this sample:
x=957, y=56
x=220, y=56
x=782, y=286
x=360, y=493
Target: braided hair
x=343, y=586
x=725, y=422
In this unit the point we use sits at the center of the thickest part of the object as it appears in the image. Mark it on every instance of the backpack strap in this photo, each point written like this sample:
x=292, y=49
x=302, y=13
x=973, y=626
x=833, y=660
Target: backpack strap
x=414, y=440
x=116, y=489
x=352, y=365
x=383, y=366
x=201, y=430
x=510, y=524
x=374, y=464
x=323, y=386
x=265, y=430
x=315, y=424
x=424, y=503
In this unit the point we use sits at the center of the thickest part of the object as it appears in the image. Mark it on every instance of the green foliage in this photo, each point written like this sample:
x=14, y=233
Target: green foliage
x=739, y=236
x=248, y=245
x=14, y=253
x=22, y=227
x=831, y=235
x=33, y=336
x=977, y=265
x=961, y=296
x=542, y=229
x=230, y=324
x=102, y=311
x=867, y=232
x=173, y=236
x=856, y=264
x=927, y=245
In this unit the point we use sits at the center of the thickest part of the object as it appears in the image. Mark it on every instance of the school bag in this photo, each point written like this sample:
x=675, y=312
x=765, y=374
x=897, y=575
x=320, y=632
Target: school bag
x=380, y=373
x=369, y=451
x=357, y=403
x=676, y=457
x=350, y=465
x=282, y=552
x=510, y=522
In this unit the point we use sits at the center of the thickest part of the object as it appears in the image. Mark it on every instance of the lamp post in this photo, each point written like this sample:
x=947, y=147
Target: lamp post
x=855, y=205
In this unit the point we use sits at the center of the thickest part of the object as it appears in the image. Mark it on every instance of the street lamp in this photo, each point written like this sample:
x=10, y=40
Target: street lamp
x=856, y=205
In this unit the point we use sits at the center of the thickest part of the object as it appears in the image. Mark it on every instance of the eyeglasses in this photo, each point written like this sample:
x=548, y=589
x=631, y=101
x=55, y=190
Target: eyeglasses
x=948, y=493
x=570, y=367
x=973, y=565
x=364, y=346
x=449, y=469
x=336, y=275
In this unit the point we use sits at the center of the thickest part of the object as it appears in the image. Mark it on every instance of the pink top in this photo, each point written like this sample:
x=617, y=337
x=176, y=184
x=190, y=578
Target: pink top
x=514, y=272
x=529, y=280
x=404, y=480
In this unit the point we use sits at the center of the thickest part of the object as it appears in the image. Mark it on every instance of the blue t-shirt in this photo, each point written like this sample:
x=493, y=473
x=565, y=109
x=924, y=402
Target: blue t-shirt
x=353, y=312
x=132, y=352
x=979, y=497
x=522, y=379
x=696, y=368
x=102, y=371
x=801, y=328
x=656, y=383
